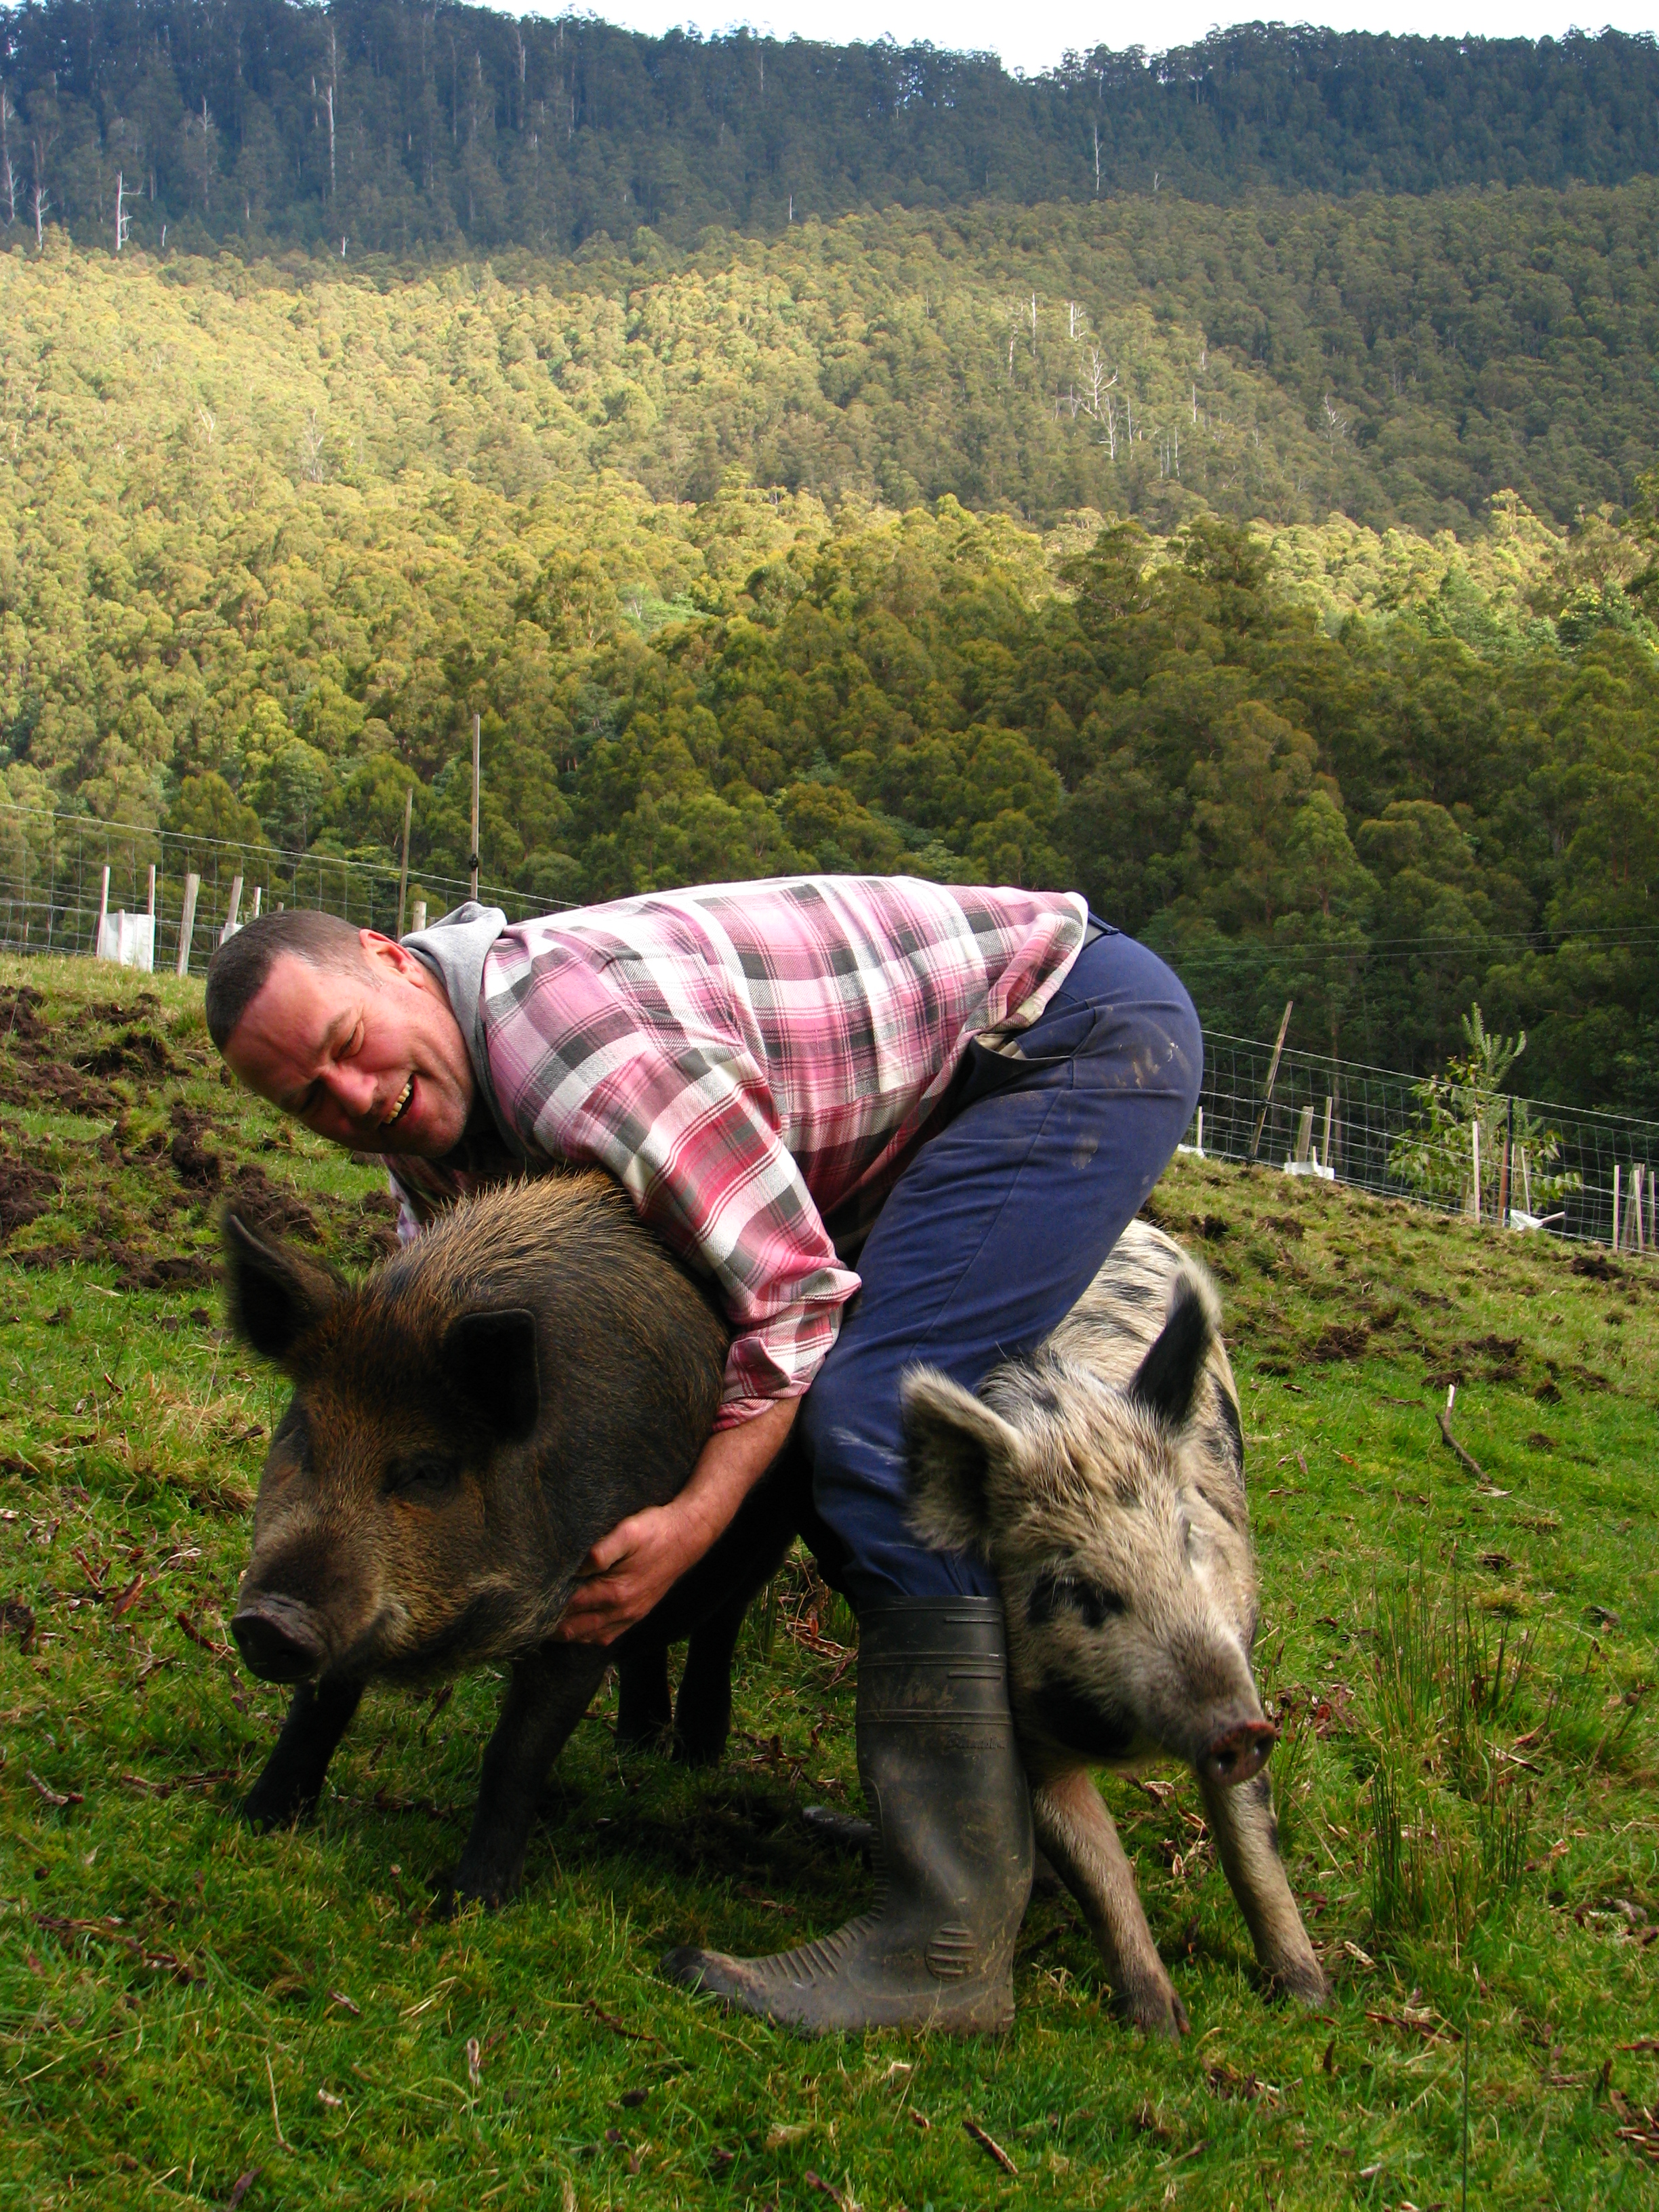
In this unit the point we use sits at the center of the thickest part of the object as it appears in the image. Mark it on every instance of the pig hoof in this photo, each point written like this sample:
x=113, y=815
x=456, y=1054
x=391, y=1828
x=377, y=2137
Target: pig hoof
x=264, y=1809
x=491, y=1891
x=696, y=1749
x=1305, y=1981
x=1157, y=2011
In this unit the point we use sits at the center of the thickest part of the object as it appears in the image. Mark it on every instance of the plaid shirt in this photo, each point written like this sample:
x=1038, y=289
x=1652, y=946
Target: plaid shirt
x=747, y=1059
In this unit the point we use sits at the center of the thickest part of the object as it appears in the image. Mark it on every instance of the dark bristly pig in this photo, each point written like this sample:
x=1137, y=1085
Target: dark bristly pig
x=1103, y=1479
x=466, y=1423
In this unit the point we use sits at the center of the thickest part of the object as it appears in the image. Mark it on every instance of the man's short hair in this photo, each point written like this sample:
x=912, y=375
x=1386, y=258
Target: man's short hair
x=241, y=967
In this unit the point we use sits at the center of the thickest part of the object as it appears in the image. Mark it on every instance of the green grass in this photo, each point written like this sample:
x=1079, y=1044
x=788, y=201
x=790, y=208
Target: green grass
x=1468, y=1777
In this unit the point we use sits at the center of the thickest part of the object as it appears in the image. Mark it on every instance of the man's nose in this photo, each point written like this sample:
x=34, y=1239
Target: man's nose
x=351, y=1088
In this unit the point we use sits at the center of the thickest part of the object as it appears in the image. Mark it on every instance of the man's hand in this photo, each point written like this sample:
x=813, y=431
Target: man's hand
x=628, y=1571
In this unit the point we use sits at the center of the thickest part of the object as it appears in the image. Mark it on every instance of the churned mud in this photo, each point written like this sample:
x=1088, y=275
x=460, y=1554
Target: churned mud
x=135, y=1145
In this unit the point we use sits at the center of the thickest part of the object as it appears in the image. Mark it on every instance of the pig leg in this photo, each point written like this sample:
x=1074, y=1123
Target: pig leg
x=1076, y=1834
x=702, y=1715
x=319, y=1715
x=548, y=1693
x=645, y=1710
x=1247, y=1836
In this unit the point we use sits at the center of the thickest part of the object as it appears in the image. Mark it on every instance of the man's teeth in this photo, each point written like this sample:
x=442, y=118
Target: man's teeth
x=397, y=1113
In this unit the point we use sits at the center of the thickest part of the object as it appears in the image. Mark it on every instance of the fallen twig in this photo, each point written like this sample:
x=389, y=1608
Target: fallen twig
x=1452, y=1445
x=276, y=2116
x=989, y=2145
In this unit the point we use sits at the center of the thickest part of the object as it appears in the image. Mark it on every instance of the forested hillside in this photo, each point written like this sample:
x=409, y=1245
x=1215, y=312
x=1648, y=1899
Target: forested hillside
x=267, y=542
x=1280, y=568
x=387, y=125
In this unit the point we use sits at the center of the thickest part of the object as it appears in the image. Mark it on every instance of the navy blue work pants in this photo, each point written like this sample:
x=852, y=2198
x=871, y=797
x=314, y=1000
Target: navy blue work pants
x=989, y=1237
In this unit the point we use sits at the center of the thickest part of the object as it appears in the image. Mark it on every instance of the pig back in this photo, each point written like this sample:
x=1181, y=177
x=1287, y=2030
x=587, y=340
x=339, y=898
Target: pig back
x=1113, y=1325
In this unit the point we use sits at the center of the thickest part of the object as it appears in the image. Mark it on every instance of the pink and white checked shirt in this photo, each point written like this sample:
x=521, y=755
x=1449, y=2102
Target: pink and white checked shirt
x=747, y=1058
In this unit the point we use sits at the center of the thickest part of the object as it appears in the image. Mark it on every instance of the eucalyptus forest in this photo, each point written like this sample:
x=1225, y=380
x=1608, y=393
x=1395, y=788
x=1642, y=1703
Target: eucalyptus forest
x=1223, y=481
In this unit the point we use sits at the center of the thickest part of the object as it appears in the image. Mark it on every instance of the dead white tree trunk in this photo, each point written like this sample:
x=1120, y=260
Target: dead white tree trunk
x=8, y=167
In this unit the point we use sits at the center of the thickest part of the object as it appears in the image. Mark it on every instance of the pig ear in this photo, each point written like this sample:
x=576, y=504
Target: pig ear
x=955, y=1449
x=489, y=1364
x=1166, y=1382
x=275, y=1296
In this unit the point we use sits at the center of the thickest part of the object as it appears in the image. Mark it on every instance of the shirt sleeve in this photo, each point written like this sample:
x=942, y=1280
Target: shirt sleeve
x=685, y=1124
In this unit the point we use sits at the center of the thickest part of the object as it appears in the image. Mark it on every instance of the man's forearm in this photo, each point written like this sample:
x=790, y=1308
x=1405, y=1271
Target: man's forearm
x=729, y=1466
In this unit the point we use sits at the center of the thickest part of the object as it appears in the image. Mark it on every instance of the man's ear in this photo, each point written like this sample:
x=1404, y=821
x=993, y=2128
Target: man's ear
x=1166, y=1380
x=955, y=1449
x=490, y=1365
x=275, y=1298
x=385, y=954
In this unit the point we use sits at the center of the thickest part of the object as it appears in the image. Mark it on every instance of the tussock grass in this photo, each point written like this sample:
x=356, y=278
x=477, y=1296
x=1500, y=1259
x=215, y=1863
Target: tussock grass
x=1466, y=1778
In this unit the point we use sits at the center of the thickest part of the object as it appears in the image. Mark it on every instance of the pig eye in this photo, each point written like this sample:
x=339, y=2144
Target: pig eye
x=1054, y=1594
x=421, y=1481
x=293, y=1435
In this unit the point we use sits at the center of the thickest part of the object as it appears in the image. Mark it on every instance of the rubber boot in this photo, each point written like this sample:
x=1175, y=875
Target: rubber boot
x=944, y=1780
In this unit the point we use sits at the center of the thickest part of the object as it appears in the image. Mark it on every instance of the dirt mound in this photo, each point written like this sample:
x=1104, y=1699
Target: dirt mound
x=134, y=1052
x=267, y=1206
x=1341, y=1340
x=17, y=1012
x=177, y=1271
x=25, y=1193
x=49, y=1086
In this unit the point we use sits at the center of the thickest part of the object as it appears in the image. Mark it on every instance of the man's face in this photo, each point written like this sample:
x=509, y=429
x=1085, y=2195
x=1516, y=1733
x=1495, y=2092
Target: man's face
x=372, y=1057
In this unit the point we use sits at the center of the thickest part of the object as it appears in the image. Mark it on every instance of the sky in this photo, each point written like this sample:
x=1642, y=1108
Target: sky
x=1033, y=35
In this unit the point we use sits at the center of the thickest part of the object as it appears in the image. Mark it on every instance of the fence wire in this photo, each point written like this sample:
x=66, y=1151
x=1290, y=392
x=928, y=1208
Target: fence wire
x=1562, y=1170
x=51, y=870
x=1521, y=1161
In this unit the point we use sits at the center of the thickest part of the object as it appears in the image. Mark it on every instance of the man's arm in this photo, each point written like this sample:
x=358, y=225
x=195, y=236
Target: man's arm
x=628, y=1571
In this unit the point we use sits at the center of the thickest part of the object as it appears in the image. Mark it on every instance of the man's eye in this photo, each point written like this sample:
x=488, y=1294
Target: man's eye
x=355, y=1044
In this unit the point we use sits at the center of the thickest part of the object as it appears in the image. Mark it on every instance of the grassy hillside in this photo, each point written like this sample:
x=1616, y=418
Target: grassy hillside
x=1462, y=1670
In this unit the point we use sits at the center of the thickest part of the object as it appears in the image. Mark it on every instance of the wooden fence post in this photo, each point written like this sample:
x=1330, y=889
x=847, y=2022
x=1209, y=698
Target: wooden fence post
x=403, y=873
x=472, y=865
x=419, y=916
x=103, y=916
x=187, y=921
x=1504, y=1171
x=1325, y=1139
x=232, y=925
x=1272, y=1076
x=1616, y=1206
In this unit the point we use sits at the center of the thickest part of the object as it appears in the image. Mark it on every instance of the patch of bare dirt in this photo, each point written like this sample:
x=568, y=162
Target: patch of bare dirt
x=134, y=1052
x=18, y=1014
x=267, y=1206
x=25, y=1193
x=1341, y=1340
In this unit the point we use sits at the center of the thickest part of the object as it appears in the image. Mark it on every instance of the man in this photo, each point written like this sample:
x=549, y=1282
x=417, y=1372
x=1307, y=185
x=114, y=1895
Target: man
x=992, y=1079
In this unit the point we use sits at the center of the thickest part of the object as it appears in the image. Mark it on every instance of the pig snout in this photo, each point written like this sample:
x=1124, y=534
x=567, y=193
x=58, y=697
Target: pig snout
x=1238, y=1752
x=279, y=1638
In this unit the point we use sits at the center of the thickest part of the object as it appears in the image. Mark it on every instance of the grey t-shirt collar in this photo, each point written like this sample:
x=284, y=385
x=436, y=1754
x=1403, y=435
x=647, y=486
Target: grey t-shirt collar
x=455, y=947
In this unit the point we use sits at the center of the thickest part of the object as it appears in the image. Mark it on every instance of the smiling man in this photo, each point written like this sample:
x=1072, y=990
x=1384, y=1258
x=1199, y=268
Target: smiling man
x=890, y=1121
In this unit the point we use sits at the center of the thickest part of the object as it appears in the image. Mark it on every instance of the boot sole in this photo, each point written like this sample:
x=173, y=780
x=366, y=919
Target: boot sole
x=971, y=2008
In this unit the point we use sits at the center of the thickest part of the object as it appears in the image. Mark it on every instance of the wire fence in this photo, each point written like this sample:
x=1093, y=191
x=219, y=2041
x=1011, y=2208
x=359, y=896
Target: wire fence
x=54, y=893
x=1558, y=1169
x=1489, y=1156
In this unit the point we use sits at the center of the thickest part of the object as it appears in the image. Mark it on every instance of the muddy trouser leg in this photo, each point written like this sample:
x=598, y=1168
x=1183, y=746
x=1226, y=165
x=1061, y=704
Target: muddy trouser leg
x=988, y=1238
